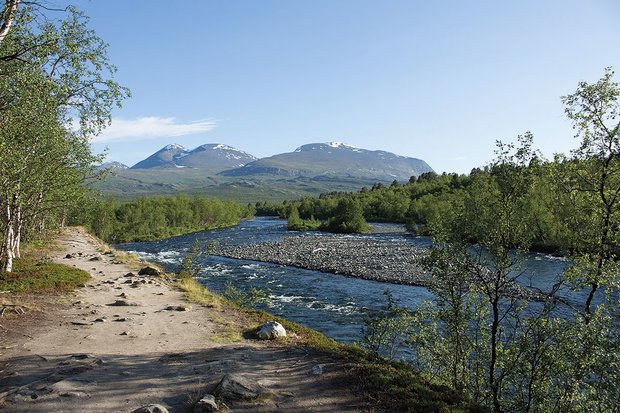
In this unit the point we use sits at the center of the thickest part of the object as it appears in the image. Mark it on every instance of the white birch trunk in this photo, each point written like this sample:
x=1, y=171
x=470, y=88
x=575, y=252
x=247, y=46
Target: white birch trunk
x=8, y=15
x=8, y=241
x=18, y=233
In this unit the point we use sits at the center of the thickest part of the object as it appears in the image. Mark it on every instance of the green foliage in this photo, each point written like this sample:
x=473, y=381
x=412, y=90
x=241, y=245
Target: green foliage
x=52, y=72
x=151, y=218
x=31, y=275
x=388, y=330
x=190, y=265
x=245, y=299
x=474, y=336
x=295, y=223
x=348, y=218
x=450, y=338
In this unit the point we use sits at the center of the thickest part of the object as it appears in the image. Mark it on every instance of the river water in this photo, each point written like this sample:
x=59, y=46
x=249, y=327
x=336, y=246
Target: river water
x=333, y=304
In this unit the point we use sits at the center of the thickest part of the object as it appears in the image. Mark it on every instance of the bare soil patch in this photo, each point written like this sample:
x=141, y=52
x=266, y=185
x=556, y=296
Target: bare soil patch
x=78, y=352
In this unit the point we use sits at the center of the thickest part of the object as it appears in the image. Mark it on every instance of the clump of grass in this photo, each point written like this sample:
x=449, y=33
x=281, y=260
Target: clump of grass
x=130, y=259
x=31, y=275
x=197, y=293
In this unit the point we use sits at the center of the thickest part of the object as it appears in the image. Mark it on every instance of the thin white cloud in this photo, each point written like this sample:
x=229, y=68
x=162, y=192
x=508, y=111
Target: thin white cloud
x=150, y=127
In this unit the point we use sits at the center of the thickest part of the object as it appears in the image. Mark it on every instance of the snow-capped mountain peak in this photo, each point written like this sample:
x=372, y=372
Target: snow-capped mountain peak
x=340, y=145
x=173, y=146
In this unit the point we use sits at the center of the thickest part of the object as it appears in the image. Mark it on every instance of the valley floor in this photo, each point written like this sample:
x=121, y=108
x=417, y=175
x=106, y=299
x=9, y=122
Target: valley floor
x=80, y=353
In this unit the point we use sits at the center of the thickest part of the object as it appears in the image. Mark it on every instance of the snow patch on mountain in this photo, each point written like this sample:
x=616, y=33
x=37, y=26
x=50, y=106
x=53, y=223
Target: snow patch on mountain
x=173, y=146
x=340, y=145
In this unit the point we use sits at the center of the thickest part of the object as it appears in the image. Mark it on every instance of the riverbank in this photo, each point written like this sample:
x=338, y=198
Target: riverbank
x=124, y=341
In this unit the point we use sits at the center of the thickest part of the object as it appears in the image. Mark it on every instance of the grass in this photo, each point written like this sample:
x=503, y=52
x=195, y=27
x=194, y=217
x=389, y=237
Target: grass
x=33, y=275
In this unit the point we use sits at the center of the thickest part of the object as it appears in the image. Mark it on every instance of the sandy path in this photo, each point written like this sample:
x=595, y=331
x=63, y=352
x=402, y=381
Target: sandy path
x=89, y=356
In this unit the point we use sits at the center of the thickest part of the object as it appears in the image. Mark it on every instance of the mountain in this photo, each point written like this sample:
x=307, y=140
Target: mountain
x=212, y=157
x=334, y=159
x=113, y=166
x=222, y=171
x=163, y=158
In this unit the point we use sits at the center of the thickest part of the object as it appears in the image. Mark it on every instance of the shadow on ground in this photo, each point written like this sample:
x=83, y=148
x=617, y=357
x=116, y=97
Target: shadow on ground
x=103, y=383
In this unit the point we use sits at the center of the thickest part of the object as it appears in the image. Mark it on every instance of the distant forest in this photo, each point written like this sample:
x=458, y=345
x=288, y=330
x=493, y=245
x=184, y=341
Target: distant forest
x=157, y=217
x=428, y=201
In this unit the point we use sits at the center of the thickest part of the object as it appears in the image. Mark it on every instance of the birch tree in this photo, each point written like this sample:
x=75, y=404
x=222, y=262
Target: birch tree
x=60, y=78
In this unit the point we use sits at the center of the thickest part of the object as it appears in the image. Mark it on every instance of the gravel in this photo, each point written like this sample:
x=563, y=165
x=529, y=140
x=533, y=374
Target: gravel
x=371, y=259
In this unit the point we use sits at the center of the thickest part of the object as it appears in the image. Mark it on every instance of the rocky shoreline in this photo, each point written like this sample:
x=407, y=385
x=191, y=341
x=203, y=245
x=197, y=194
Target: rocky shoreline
x=391, y=261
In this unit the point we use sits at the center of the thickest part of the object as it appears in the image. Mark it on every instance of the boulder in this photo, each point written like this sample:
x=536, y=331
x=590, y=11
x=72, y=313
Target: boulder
x=271, y=330
x=151, y=408
x=206, y=405
x=233, y=387
x=149, y=271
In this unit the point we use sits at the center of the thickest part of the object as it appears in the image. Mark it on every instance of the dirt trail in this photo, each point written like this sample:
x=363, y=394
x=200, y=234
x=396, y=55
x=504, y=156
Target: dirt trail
x=85, y=355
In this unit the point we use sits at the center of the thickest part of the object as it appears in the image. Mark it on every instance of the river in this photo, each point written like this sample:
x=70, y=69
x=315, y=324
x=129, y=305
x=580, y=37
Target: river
x=333, y=304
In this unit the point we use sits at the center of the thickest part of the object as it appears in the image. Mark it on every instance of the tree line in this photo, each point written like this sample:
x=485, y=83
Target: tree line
x=506, y=353
x=153, y=218
x=57, y=88
x=425, y=202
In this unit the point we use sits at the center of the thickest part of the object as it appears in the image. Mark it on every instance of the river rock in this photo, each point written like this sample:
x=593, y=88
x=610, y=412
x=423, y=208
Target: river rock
x=152, y=271
x=123, y=303
x=206, y=405
x=177, y=308
x=271, y=330
x=151, y=408
x=233, y=387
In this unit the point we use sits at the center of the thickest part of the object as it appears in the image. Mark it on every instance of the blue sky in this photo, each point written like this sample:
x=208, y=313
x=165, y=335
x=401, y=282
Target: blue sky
x=436, y=80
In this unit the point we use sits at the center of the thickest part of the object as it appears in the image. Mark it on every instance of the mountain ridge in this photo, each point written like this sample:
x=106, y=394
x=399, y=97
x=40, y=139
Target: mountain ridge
x=214, y=157
x=226, y=172
x=334, y=159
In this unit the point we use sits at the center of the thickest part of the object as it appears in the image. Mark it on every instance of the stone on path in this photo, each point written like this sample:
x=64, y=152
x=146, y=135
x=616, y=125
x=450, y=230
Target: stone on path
x=234, y=387
x=271, y=330
x=123, y=303
x=151, y=408
x=177, y=308
x=149, y=271
x=81, y=323
x=206, y=405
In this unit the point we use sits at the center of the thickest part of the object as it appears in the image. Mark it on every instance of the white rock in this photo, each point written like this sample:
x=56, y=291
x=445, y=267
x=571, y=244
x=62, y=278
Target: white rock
x=206, y=405
x=271, y=330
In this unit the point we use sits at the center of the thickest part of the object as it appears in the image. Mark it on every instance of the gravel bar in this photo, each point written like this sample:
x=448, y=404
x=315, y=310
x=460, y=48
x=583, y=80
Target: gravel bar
x=380, y=260
x=390, y=261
